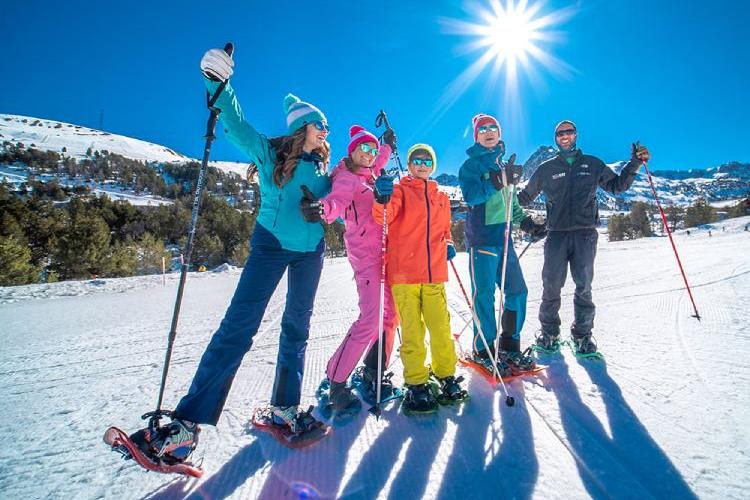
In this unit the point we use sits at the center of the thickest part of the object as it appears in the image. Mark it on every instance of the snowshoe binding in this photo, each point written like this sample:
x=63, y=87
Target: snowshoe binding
x=585, y=347
x=521, y=362
x=363, y=381
x=419, y=400
x=337, y=401
x=451, y=392
x=547, y=343
x=290, y=427
x=484, y=360
x=164, y=449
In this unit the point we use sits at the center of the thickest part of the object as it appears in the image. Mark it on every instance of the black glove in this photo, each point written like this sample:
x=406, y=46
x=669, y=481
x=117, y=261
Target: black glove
x=389, y=137
x=536, y=231
x=312, y=209
x=512, y=171
x=496, y=177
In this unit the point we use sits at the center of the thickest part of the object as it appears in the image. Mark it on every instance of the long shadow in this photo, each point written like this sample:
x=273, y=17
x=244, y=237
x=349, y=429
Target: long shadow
x=314, y=472
x=506, y=466
x=242, y=466
x=628, y=464
x=633, y=441
x=421, y=435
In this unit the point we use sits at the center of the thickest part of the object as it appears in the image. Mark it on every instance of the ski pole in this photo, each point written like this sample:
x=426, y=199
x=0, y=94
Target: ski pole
x=375, y=410
x=211, y=126
x=380, y=120
x=508, y=207
x=509, y=400
x=531, y=242
x=671, y=240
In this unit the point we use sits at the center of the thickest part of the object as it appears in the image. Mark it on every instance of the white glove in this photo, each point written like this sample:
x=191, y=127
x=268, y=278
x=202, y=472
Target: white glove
x=217, y=65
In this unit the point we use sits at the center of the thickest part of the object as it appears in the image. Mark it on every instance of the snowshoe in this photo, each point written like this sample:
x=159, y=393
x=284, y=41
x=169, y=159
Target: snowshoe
x=419, y=400
x=451, y=392
x=547, y=344
x=337, y=400
x=585, y=347
x=363, y=381
x=521, y=362
x=484, y=360
x=290, y=427
x=158, y=448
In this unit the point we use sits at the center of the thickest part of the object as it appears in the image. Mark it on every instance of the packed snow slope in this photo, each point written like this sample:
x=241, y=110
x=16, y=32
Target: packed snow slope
x=665, y=416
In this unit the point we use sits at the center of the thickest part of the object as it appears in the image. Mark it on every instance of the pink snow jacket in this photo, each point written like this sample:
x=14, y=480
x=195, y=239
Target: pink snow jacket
x=351, y=198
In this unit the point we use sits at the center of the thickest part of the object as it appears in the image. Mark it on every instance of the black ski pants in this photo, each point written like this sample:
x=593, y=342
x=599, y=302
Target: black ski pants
x=577, y=248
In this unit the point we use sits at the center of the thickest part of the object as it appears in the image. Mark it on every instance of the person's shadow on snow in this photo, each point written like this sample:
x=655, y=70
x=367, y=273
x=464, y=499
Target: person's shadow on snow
x=408, y=443
x=491, y=459
x=627, y=464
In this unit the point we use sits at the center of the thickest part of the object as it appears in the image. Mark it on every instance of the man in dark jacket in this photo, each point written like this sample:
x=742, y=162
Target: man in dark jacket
x=569, y=182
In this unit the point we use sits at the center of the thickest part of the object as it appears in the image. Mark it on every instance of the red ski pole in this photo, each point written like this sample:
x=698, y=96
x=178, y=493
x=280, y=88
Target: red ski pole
x=671, y=240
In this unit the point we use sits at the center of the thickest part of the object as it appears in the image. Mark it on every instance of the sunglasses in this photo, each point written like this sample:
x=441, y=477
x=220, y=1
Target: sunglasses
x=366, y=148
x=321, y=126
x=421, y=161
x=487, y=128
x=567, y=131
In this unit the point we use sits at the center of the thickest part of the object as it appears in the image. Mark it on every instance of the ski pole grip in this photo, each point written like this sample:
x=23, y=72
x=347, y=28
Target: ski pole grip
x=229, y=48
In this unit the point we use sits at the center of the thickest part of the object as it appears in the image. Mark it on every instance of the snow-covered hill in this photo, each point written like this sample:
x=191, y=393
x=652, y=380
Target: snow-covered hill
x=665, y=417
x=52, y=135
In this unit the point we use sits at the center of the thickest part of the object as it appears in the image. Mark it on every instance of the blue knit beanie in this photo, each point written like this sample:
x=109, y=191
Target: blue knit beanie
x=299, y=113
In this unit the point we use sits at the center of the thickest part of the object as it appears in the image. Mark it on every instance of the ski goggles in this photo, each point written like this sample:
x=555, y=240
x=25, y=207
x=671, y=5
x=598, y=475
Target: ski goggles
x=567, y=131
x=321, y=126
x=366, y=148
x=421, y=161
x=487, y=128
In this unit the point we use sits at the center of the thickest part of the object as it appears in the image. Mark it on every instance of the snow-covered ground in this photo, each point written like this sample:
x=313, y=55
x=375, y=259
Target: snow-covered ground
x=666, y=415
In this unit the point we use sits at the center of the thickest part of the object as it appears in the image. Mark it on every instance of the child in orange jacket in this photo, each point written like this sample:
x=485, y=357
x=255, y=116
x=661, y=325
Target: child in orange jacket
x=419, y=246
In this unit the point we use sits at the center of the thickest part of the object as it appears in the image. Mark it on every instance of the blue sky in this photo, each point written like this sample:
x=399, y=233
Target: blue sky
x=674, y=75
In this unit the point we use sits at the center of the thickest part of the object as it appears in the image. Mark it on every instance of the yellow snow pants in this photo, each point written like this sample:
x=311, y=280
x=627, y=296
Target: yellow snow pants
x=419, y=305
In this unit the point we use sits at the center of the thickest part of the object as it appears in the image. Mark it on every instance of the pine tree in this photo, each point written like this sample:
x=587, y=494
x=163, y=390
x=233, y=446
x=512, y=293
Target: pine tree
x=699, y=213
x=639, y=220
x=616, y=227
x=15, y=262
x=150, y=251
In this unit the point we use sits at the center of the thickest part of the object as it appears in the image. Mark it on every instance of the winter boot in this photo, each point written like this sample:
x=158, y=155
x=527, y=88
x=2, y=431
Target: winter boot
x=343, y=400
x=521, y=361
x=548, y=343
x=584, y=346
x=172, y=443
x=419, y=399
x=294, y=422
x=451, y=391
x=364, y=378
x=483, y=359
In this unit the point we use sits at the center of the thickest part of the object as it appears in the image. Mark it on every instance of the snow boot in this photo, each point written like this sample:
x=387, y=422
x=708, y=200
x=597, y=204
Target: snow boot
x=293, y=422
x=483, y=359
x=364, y=379
x=547, y=343
x=451, y=391
x=342, y=400
x=521, y=361
x=419, y=399
x=172, y=443
x=585, y=347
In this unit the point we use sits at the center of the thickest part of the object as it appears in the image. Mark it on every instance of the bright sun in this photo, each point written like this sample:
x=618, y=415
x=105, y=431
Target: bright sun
x=512, y=37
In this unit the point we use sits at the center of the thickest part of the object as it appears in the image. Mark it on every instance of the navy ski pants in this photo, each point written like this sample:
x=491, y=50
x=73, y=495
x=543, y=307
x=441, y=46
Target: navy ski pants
x=577, y=248
x=262, y=273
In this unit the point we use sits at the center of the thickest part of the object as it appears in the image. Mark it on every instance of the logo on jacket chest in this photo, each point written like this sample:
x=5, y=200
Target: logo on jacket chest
x=558, y=176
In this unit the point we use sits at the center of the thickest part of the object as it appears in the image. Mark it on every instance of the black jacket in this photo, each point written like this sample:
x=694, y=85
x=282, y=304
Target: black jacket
x=570, y=190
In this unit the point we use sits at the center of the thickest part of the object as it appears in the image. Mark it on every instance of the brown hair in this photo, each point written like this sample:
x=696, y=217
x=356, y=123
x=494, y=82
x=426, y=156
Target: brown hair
x=288, y=152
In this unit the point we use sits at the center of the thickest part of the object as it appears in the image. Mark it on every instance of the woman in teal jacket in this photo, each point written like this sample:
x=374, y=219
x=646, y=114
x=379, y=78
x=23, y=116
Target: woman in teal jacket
x=282, y=241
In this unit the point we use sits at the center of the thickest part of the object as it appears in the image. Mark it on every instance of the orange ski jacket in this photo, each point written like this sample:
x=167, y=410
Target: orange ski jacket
x=419, y=229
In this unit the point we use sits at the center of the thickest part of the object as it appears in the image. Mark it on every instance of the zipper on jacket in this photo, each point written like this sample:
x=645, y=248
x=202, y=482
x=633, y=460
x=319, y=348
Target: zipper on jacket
x=427, y=202
x=356, y=219
x=278, y=209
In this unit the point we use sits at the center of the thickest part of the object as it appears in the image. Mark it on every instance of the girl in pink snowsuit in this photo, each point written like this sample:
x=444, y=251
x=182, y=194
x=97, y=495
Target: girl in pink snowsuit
x=351, y=199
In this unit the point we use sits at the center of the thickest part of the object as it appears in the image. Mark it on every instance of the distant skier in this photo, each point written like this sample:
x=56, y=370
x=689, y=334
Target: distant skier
x=569, y=182
x=419, y=246
x=351, y=198
x=481, y=180
x=282, y=242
